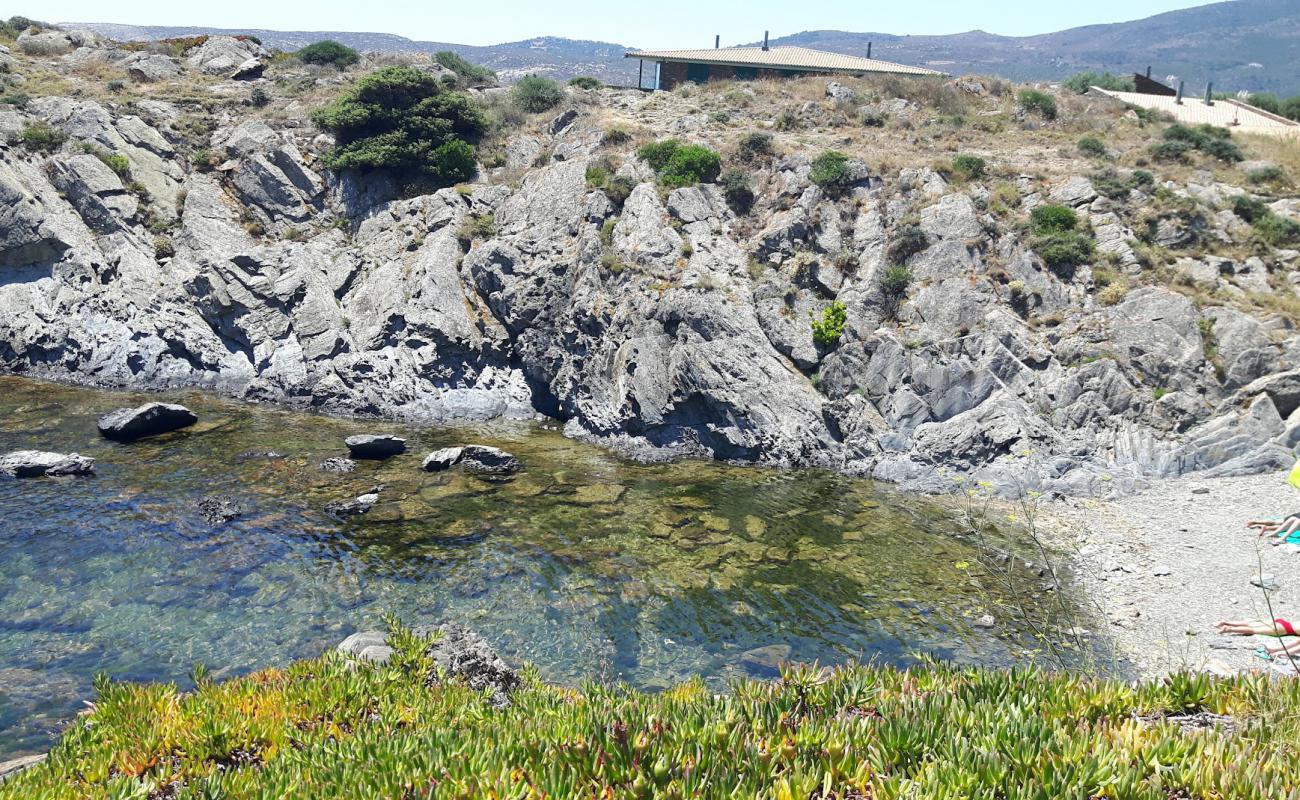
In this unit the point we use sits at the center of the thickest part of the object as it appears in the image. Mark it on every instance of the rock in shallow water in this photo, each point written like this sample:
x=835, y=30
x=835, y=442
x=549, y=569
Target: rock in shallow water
x=444, y=459
x=375, y=447
x=150, y=419
x=476, y=458
x=358, y=505
x=219, y=509
x=35, y=463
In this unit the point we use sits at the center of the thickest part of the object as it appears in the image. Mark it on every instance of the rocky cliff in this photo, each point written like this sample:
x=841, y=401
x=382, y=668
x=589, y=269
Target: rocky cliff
x=221, y=254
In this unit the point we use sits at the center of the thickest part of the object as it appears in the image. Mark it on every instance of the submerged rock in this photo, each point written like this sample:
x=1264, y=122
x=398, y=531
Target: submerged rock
x=361, y=504
x=375, y=447
x=150, y=419
x=338, y=465
x=35, y=463
x=218, y=509
x=477, y=458
x=444, y=459
x=489, y=460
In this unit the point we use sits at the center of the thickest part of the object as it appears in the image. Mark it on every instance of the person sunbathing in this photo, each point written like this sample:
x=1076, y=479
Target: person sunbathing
x=1278, y=627
x=1281, y=530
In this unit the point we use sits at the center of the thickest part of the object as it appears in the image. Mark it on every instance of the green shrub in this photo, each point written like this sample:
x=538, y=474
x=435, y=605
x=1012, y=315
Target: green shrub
x=16, y=99
x=477, y=226
x=471, y=74
x=830, y=327
x=42, y=137
x=600, y=175
x=616, y=135
x=1049, y=218
x=1269, y=174
x=754, y=146
x=831, y=172
x=400, y=120
x=1064, y=248
x=656, y=154
x=1081, y=82
x=1142, y=179
x=329, y=52
x=908, y=241
x=258, y=98
x=895, y=280
x=116, y=162
x=691, y=164
x=115, y=86
x=1092, y=147
x=969, y=167
x=873, y=119
x=1224, y=150
x=1038, y=102
x=535, y=94
x=1277, y=231
x=735, y=187
x=585, y=82
x=1171, y=151
x=1250, y=208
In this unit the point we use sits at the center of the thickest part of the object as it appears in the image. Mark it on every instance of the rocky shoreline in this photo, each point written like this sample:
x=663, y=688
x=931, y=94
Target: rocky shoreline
x=666, y=323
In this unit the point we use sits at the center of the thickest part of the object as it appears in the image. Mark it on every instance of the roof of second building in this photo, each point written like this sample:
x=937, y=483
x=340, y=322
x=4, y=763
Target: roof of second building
x=782, y=57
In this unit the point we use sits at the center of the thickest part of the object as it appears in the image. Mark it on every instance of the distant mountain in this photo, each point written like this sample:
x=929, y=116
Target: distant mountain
x=1244, y=44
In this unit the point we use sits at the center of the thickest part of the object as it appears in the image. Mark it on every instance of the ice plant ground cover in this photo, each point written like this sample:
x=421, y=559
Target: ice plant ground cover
x=330, y=728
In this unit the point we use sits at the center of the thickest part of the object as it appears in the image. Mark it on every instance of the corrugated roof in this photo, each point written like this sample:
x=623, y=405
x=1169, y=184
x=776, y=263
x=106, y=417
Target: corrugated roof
x=782, y=58
x=1224, y=113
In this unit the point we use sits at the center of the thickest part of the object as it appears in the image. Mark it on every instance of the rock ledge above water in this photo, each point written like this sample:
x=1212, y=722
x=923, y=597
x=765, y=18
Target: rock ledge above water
x=35, y=463
x=476, y=458
x=375, y=447
x=150, y=419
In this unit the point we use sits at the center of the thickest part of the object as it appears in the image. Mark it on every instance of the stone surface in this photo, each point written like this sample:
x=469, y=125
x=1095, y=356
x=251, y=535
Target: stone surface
x=150, y=419
x=444, y=459
x=35, y=463
x=375, y=446
x=486, y=460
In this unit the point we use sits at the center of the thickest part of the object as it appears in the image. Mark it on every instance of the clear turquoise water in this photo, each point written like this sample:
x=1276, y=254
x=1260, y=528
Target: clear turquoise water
x=590, y=566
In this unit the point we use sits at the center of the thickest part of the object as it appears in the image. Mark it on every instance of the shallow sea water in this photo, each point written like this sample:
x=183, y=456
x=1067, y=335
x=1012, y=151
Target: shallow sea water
x=586, y=564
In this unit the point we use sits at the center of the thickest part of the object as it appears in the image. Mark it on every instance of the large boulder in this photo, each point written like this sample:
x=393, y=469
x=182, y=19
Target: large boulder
x=35, y=463
x=151, y=67
x=375, y=447
x=150, y=419
x=226, y=56
x=488, y=460
x=441, y=460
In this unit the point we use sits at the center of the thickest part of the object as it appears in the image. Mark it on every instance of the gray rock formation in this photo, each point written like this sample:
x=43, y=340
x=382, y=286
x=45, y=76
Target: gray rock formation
x=150, y=419
x=476, y=458
x=458, y=654
x=375, y=446
x=35, y=463
x=442, y=460
x=361, y=504
x=667, y=326
x=229, y=57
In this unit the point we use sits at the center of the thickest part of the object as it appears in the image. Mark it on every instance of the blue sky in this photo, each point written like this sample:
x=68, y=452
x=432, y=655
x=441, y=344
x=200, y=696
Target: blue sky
x=644, y=23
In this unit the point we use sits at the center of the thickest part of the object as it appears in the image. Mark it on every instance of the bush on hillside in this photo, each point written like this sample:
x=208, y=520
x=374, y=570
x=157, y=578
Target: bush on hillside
x=585, y=82
x=12, y=27
x=1081, y=82
x=689, y=165
x=1249, y=208
x=535, y=94
x=895, y=280
x=471, y=74
x=1038, y=102
x=1092, y=147
x=829, y=328
x=42, y=137
x=329, y=52
x=908, y=241
x=656, y=154
x=1277, y=231
x=754, y=146
x=401, y=120
x=1050, y=218
x=1064, y=249
x=831, y=172
x=1179, y=140
x=969, y=167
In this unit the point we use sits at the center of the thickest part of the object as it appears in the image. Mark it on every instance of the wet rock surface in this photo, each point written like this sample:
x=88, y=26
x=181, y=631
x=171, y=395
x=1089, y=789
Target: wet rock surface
x=375, y=447
x=150, y=419
x=35, y=463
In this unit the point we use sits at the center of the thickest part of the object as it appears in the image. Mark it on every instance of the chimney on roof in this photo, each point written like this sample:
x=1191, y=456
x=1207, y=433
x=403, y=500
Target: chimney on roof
x=1209, y=94
x=717, y=41
x=868, y=49
x=1148, y=72
x=1179, y=98
x=764, y=40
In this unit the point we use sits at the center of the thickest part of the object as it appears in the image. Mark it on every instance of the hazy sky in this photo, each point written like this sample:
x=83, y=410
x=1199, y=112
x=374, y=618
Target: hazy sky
x=644, y=23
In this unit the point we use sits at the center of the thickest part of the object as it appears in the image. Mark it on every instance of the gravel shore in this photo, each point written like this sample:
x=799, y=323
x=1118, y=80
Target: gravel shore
x=1166, y=565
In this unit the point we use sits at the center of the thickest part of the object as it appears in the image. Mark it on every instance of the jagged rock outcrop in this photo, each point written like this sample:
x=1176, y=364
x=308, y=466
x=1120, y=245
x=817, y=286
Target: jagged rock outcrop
x=35, y=463
x=668, y=325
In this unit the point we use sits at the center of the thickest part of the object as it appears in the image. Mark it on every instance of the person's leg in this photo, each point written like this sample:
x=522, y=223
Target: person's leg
x=1250, y=628
x=1289, y=526
x=1290, y=647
